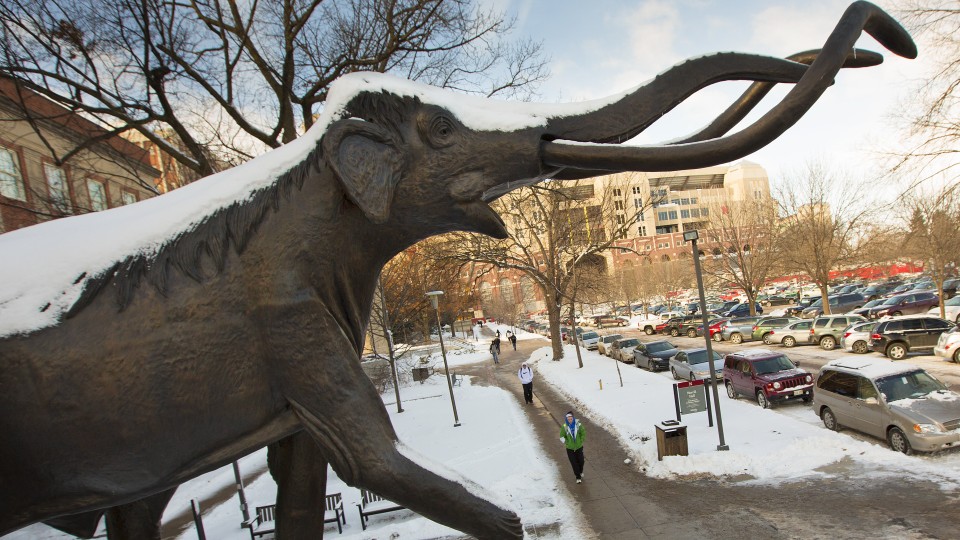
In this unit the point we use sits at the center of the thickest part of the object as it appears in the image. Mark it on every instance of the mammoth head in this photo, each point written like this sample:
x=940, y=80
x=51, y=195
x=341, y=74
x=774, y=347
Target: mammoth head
x=429, y=160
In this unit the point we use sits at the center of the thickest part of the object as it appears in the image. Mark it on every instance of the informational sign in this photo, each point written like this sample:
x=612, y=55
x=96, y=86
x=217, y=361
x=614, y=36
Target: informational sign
x=691, y=397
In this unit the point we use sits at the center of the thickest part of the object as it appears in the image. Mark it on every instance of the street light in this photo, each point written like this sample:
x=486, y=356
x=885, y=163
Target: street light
x=692, y=237
x=435, y=301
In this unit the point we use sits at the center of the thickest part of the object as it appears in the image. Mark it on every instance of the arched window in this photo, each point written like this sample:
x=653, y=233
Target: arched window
x=506, y=291
x=665, y=258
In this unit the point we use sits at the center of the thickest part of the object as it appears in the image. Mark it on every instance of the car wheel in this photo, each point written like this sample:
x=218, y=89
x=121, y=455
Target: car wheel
x=767, y=340
x=736, y=338
x=860, y=347
x=829, y=420
x=622, y=324
x=789, y=341
x=762, y=400
x=828, y=343
x=897, y=351
x=731, y=393
x=717, y=337
x=807, y=399
x=898, y=441
x=674, y=373
x=674, y=332
x=956, y=356
x=648, y=330
x=691, y=333
x=958, y=319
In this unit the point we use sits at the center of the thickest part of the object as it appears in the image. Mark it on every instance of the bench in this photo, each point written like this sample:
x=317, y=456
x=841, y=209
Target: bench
x=265, y=521
x=371, y=504
x=457, y=379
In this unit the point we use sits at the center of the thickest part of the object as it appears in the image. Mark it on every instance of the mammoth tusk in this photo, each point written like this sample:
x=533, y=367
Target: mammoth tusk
x=859, y=17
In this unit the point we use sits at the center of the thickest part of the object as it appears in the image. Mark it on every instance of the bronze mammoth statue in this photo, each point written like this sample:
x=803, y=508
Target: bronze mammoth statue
x=243, y=327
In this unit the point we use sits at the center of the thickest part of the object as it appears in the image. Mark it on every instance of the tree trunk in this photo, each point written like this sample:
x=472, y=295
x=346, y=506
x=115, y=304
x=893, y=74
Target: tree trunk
x=553, y=313
x=824, y=299
x=573, y=328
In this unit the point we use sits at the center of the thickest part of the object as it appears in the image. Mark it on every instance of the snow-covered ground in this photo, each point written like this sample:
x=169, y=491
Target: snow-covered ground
x=495, y=447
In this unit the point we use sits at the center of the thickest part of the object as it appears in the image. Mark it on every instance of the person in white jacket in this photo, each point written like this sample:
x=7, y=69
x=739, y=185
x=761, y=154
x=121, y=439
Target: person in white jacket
x=526, y=379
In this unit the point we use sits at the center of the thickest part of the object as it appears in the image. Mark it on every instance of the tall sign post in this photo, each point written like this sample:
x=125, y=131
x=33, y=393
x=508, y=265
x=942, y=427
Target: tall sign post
x=435, y=301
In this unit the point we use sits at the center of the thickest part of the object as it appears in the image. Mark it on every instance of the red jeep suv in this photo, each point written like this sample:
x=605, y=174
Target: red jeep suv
x=767, y=376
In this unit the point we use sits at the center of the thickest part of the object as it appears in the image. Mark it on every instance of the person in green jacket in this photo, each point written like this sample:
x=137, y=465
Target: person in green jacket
x=572, y=436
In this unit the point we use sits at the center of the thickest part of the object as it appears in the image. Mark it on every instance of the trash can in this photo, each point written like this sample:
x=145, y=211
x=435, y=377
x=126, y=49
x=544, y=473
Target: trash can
x=671, y=439
x=421, y=374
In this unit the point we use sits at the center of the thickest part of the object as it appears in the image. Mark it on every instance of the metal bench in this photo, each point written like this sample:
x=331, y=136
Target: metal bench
x=371, y=504
x=457, y=379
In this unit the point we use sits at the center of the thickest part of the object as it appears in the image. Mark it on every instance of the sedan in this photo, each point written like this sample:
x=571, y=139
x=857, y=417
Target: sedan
x=654, y=356
x=622, y=349
x=951, y=308
x=692, y=365
x=791, y=334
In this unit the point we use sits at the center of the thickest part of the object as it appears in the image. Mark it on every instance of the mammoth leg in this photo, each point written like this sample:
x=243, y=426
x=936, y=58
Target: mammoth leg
x=139, y=520
x=300, y=470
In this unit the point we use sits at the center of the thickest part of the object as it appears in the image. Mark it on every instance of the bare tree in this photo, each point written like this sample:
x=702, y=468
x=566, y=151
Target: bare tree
x=934, y=129
x=555, y=227
x=825, y=212
x=933, y=234
x=232, y=78
x=747, y=234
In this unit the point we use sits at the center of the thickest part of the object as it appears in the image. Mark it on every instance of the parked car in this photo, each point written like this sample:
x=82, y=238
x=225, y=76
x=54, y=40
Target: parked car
x=743, y=310
x=774, y=300
x=948, y=346
x=603, y=346
x=905, y=304
x=734, y=329
x=588, y=340
x=897, y=402
x=767, y=376
x=692, y=365
x=840, y=303
x=898, y=337
x=865, y=310
x=678, y=325
x=648, y=325
x=714, y=327
x=601, y=321
x=876, y=291
x=792, y=334
x=856, y=337
x=654, y=356
x=951, y=310
x=828, y=329
x=764, y=327
x=950, y=288
x=622, y=349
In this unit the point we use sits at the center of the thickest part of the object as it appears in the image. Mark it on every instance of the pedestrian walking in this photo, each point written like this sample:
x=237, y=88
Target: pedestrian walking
x=498, y=333
x=495, y=350
x=526, y=379
x=572, y=436
x=513, y=339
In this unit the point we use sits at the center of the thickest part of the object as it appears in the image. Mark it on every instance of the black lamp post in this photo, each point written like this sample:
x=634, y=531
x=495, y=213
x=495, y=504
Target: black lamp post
x=435, y=301
x=692, y=237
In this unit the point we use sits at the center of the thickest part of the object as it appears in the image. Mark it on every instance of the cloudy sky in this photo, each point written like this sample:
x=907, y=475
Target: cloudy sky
x=606, y=46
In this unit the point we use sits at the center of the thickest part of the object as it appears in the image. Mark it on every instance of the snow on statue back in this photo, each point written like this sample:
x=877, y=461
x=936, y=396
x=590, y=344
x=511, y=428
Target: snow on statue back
x=229, y=314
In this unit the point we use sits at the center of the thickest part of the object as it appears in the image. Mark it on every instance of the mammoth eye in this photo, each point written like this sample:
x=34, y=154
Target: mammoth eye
x=439, y=131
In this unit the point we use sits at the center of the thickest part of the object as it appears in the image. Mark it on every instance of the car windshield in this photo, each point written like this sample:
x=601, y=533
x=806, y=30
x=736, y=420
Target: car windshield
x=816, y=303
x=590, y=335
x=872, y=303
x=629, y=343
x=891, y=301
x=700, y=357
x=955, y=301
x=611, y=338
x=773, y=365
x=913, y=385
x=659, y=347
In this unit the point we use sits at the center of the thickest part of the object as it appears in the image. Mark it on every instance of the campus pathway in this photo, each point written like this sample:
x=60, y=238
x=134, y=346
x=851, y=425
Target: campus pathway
x=619, y=502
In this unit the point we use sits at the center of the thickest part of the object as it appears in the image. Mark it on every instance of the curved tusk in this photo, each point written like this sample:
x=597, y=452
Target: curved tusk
x=859, y=17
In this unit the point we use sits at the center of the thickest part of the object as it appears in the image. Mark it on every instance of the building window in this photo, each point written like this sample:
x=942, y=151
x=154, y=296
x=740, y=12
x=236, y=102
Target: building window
x=642, y=230
x=621, y=220
x=684, y=201
x=685, y=214
x=636, y=190
x=693, y=200
x=617, y=192
x=695, y=212
x=675, y=201
x=662, y=192
x=98, y=195
x=128, y=198
x=704, y=212
x=536, y=215
x=673, y=214
x=618, y=205
x=57, y=186
x=758, y=194
x=11, y=183
x=647, y=247
x=662, y=216
x=638, y=203
x=639, y=217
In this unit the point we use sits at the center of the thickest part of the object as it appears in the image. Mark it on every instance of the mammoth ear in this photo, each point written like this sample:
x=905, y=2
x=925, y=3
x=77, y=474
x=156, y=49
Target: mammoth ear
x=366, y=159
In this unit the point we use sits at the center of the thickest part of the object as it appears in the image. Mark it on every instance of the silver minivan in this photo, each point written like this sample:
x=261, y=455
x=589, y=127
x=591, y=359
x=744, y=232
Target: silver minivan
x=898, y=402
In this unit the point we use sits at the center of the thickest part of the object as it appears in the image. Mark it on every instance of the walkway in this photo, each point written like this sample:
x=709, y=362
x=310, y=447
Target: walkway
x=619, y=502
